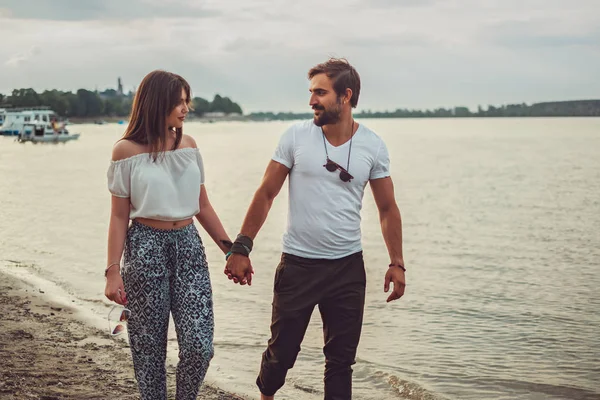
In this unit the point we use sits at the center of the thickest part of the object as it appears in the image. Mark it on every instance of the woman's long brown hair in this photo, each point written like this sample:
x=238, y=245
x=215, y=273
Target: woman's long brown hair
x=158, y=94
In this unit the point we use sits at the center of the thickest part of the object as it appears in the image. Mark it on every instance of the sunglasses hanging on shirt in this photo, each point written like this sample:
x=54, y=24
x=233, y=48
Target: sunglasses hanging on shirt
x=332, y=166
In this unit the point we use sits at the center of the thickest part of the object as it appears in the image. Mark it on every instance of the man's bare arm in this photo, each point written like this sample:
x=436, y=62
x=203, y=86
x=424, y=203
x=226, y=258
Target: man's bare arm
x=389, y=216
x=391, y=227
x=262, y=201
x=238, y=267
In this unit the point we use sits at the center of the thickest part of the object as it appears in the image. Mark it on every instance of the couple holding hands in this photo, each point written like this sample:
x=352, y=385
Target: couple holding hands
x=156, y=178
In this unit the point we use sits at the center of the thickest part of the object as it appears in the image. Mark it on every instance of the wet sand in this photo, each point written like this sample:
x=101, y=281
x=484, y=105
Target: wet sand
x=47, y=354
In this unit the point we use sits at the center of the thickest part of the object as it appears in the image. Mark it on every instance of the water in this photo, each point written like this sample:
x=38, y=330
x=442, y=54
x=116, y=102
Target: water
x=501, y=225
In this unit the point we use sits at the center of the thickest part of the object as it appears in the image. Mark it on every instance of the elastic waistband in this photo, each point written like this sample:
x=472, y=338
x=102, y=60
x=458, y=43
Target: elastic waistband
x=184, y=229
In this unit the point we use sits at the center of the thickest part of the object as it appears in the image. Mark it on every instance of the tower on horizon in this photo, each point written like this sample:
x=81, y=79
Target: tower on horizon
x=119, y=87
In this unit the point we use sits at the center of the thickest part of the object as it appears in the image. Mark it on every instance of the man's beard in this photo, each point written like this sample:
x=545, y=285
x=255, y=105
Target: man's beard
x=327, y=117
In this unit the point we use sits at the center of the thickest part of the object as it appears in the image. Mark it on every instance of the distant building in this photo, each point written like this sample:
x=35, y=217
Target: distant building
x=214, y=114
x=119, y=87
x=112, y=93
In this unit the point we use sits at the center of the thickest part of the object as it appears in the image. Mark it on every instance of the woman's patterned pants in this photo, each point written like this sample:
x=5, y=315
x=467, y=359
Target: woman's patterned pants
x=165, y=271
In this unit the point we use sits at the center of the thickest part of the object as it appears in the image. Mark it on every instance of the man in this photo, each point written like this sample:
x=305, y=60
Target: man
x=329, y=161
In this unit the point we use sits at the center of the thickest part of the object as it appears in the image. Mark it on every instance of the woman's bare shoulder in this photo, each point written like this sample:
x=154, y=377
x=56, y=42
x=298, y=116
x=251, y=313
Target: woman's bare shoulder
x=126, y=148
x=188, y=141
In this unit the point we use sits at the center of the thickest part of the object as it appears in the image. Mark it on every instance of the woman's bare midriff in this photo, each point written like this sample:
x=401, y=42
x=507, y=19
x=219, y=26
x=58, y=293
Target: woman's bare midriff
x=164, y=224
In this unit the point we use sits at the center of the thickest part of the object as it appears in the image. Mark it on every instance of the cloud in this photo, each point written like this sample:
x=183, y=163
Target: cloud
x=20, y=58
x=541, y=33
x=408, y=53
x=550, y=41
x=249, y=45
x=5, y=13
x=400, y=40
x=400, y=3
x=79, y=10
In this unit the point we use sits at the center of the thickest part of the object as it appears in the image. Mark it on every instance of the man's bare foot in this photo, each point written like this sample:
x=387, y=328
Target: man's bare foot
x=263, y=397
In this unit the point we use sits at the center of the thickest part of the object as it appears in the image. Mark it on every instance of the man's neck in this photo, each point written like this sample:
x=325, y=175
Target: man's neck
x=340, y=132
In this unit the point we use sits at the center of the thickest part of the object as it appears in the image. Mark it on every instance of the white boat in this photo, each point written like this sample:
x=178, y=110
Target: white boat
x=36, y=124
x=41, y=132
x=15, y=119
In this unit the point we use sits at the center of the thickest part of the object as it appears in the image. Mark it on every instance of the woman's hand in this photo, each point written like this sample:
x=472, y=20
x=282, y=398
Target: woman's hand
x=114, y=290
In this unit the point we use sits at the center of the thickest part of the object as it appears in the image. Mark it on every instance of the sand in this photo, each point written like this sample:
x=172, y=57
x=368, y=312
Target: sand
x=47, y=354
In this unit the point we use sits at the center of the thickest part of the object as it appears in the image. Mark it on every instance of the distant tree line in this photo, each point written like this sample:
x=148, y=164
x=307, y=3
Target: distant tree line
x=85, y=103
x=219, y=104
x=576, y=108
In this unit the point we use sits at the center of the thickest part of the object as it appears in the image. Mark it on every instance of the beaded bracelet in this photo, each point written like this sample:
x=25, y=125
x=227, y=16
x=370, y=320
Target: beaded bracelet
x=399, y=266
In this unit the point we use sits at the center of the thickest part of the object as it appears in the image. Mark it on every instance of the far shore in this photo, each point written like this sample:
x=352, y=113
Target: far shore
x=125, y=120
x=48, y=354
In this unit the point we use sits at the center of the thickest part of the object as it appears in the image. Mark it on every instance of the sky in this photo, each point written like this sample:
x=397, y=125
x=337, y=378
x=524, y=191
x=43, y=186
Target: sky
x=409, y=53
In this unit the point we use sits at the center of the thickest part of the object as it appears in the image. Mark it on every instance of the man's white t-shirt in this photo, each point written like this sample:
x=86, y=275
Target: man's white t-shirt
x=324, y=212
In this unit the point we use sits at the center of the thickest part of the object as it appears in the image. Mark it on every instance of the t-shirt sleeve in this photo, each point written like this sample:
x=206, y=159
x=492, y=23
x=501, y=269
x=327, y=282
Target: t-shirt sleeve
x=119, y=174
x=284, y=153
x=381, y=166
x=201, y=166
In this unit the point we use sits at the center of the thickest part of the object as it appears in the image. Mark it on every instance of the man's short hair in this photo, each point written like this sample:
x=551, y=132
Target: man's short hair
x=343, y=75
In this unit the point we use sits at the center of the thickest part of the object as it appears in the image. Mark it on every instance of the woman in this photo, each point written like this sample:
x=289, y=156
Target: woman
x=156, y=178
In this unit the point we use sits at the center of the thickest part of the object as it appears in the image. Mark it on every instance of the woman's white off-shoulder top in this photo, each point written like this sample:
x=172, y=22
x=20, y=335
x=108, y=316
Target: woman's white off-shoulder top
x=167, y=189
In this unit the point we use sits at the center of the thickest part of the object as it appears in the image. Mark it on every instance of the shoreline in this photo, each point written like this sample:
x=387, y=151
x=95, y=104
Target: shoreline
x=47, y=353
x=125, y=119
x=209, y=120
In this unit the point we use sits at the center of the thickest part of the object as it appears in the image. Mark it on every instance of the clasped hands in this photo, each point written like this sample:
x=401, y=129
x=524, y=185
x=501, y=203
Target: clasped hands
x=239, y=269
